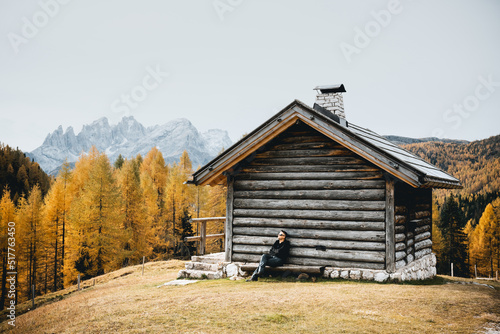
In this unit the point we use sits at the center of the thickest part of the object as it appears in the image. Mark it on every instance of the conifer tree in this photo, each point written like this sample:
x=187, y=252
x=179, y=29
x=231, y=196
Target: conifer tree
x=7, y=211
x=56, y=210
x=179, y=197
x=119, y=162
x=153, y=173
x=95, y=222
x=451, y=223
x=31, y=233
x=135, y=226
x=488, y=237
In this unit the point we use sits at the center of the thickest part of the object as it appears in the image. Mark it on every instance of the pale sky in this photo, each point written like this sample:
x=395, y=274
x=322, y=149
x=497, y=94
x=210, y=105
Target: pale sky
x=410, y=68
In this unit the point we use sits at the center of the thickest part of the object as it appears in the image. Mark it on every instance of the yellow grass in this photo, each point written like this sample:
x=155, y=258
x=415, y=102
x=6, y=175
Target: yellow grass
x=132, y=303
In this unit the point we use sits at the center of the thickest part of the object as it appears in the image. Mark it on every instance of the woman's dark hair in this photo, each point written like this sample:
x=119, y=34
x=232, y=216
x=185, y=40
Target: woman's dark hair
x=284, y=232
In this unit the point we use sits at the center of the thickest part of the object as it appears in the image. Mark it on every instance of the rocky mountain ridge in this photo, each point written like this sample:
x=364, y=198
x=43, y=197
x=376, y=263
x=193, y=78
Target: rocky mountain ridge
x=130, y=138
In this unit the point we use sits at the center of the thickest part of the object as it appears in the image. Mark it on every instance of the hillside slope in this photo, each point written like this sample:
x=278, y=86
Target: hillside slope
x=127, y=302
x=476, y=164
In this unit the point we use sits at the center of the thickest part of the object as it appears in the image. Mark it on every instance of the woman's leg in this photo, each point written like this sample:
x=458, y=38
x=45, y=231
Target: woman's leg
x=260, y=269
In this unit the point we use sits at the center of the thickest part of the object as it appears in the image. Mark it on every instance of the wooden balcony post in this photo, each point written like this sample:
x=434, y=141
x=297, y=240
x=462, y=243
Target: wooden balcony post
x=203, y=236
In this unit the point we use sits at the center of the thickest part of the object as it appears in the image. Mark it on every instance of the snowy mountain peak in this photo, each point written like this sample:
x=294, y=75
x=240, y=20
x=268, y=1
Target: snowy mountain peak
x=129, y=138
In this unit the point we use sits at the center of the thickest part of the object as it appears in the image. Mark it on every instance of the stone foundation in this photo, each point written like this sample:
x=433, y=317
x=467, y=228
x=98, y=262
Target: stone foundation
x=213, y=267
x=421, y=269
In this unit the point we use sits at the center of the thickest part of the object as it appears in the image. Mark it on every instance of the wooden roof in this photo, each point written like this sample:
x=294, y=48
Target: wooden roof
x=393, y=159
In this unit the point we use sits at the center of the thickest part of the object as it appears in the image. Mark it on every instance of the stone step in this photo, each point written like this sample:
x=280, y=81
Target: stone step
x=201, y=274
x=202, y=266
x=208, y=258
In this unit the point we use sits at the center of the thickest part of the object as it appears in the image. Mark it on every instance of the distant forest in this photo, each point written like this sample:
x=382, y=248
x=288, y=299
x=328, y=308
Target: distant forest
x=102, y=215
x=476, y=164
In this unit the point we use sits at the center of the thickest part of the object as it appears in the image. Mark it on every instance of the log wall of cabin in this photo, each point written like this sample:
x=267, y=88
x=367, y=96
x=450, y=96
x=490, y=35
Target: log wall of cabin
x=330, y=201
x=413, y=220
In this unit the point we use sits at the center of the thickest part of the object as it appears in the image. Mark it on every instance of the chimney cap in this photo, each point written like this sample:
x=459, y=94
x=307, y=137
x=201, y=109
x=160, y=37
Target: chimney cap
x=325, y=89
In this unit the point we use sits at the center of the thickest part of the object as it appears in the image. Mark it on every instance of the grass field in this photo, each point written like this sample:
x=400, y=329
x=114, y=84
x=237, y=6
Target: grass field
x=127, y=302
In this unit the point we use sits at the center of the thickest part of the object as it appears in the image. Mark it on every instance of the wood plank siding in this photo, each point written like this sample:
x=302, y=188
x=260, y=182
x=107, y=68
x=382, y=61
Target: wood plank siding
x=331, y=202
x=413, y=219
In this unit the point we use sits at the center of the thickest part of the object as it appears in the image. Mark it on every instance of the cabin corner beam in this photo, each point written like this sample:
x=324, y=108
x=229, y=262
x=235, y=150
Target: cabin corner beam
x=228, y=248
x=390, y=251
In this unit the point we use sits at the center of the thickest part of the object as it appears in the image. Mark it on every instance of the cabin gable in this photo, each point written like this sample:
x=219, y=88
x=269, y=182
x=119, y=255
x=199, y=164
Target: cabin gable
x=331, y=201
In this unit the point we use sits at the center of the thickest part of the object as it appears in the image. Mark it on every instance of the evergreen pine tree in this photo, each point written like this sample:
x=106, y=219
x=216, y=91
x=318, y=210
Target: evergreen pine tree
x=451, y=223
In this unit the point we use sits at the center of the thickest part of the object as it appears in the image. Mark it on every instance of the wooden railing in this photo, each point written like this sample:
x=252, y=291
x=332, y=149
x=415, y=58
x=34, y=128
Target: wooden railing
x=203, y=232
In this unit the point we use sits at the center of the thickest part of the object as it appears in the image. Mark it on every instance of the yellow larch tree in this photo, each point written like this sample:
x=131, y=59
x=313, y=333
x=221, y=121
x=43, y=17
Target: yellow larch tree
x=153, y=175
x=56, y=209
x=488, y=235
x=7, y=239
x=31, y=235
x=135, y=225
x=96, y=222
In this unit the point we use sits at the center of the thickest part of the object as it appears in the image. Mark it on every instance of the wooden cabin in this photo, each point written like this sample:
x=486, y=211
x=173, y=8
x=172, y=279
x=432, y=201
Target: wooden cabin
x=348, y=197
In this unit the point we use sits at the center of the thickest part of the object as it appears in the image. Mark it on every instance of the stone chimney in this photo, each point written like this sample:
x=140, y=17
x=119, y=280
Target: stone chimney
x=330, y=97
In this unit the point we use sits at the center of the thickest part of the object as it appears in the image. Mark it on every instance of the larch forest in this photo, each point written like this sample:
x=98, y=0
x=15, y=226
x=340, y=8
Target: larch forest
x=102, y=215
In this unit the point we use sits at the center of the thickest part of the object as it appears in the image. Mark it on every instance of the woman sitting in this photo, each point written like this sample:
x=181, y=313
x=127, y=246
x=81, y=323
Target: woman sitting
x=276, y=256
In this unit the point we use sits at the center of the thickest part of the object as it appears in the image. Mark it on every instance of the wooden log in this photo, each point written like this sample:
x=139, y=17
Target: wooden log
x=400, y=246
x=304, y=137
x=410, y=258
x=209, y=219
x=307, y=184
x=374, y=236
x=409, y=250
x=399, y=220
x=308, y=161
x=400, y=255
x=421, y=214
x=311, y=224
x=316, y=144
x=422, y=229
x=310, y=169
x=328, y=152
x=399, y=237
x=423, y=252
x=342, y=255
x=312, y=214
x=242, y=257
x=210, y=236
x=301, y=204
x=423, y=207
x=410, y=242
x=427, y=243
x=401, y=210
x=300, y=242
x=421, y=222
x=343, y=175
x=399, y=229
x=289, y=267
x=409, y=235
x=422, y=236
x=347, y=194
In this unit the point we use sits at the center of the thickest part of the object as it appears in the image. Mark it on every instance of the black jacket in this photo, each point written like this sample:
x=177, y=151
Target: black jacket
x=280, y=250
